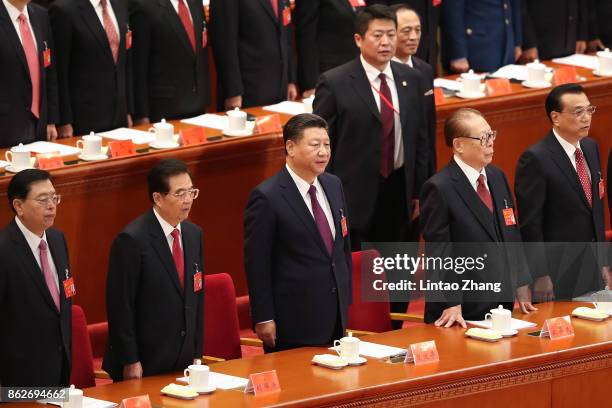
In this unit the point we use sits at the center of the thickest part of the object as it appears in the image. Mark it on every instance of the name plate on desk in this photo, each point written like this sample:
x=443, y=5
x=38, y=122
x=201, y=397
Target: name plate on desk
x=192, y=136
x=564, y=75
x=142, y=401
x=269, y=124
x=262, y=383
x=48, y=162
x=421, y=353
x=121, y=148
x=498, y=86
x=439, y=96
x=557, y=328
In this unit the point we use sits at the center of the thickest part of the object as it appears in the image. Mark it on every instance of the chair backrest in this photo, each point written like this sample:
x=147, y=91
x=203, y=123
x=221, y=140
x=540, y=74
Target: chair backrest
x=368, y=316
x=98, y=334
x=221, y=331
x=82, y=372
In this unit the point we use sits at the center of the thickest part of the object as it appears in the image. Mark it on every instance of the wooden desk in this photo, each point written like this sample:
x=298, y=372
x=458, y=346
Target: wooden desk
x=99, y=199
x=521, y=371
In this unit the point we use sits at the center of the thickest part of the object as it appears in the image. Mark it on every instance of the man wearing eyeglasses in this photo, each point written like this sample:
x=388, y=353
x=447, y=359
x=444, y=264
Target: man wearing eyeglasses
x=35, y=304
x=154, y=292
x=464, y=207
x=559, y=191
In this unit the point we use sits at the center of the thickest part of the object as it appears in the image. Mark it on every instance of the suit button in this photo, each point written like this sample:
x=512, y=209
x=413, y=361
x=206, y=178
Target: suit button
x=182, y=333
x=571, y=18
x=507, y=21
x=334, y=290
x=506, y=6
x=333, y=264
x=468, y=31
x=193, y=89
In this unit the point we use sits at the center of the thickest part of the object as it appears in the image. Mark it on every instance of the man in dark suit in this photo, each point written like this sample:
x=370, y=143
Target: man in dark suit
x=35, y=307
x=600, y=31
x=297, y=247
x=554, y=28
x=609, y=186
x=409, y=31
x=324, y=38
x=429, y=13
x=169, y=59
x=469, y=201
x=559, y=193
x=482, y=35
x=154, y=293
x=252, y=43
x=92, y=64
x=28, y=101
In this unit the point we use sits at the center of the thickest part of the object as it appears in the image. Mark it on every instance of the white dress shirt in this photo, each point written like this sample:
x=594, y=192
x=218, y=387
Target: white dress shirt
x=303, y=188
x=14, y=13
x=471, y=173
x=175, y=4
x=570, y=150
x=167, y=228
x=97, y=5
x=407, y=62
x=372, y=73
x=33, y=241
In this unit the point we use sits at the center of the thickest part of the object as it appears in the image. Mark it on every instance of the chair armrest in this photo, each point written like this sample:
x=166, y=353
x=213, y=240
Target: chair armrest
x=359, y=333
x=408, y=317
x=101, y=374
x=211, y=360
x=251, y=341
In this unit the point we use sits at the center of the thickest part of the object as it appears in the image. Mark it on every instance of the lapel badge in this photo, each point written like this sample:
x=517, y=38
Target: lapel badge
x=404, y=83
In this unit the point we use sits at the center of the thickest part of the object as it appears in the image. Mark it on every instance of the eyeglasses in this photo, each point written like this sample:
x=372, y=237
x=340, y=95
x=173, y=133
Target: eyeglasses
x=54, y=199
x=182, y=195
x=485, y=138
x=580, y=112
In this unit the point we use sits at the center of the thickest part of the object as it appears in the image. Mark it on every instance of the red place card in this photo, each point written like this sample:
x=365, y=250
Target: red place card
x=48, y=162
x=192, y=136
x=262, y=383
x=498, y=86
x=438, y=96
x=557, y=328
x=142, y=401
x=269, y=124
x=421, y=353
x=564, y=75
x=121, y=148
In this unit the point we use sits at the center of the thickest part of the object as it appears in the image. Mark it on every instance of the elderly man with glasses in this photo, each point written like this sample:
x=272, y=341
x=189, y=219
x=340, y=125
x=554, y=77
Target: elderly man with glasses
x=154, y=293
x=559, y=191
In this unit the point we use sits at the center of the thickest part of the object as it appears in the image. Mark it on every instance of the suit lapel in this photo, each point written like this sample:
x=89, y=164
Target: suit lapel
x=11, y=34
x=97, y=29
x=402, y=96
x=59, y=260
x=173, y=18
x=561, y=159
x=363, y=87
x=160, y=244
x=471, y=199
x=334, y=205
x=501, y=199
x=189, y=260
x=292, y=195
x=591, y=159
x=267, y=5
x=197, y=23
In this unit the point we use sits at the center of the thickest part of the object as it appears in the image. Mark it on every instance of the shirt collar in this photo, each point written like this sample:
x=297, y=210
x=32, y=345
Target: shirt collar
x=32, y=239
x=167, y=228
x=569, y=148
x=95, y=3
x=373, y=72
x=302, y=185
x=471, y=173
x=14, y=12
x=408, y=61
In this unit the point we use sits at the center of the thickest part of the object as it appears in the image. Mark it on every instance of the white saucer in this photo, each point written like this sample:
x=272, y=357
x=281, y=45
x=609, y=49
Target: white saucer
x=236, y=133
x=471, y=95
x=206, y=390
x=97, y=157
x=171, y=145
x=358, y=361
x=509, y=332
x=16, y=170
x=600, y=74
x=536, y=85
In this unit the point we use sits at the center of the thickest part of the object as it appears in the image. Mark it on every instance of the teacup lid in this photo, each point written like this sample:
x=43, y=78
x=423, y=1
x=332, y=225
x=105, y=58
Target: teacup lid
x=470, y=75
x=163, y=124
x=605, y=53
x=74, y=390
x=236, y=112
x=20, y=148
x=536, y=64
x=500, y=309
x=350, y=338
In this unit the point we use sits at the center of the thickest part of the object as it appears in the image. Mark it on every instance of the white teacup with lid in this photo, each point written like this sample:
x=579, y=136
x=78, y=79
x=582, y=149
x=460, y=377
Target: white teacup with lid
x=536, y=72
x=75, y=398
x=348, y=347
x=163, y=133
x=19, y=157
x=91, y=145
x=501, y=319
x=604, y=59
x=236, y=120
x=471, y=83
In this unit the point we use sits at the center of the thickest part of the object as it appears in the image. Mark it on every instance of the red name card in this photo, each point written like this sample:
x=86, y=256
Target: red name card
x=192, y=136
x=121, y=148
x=557, y=328
x=142, y=401
x=269, y=124
x=262, y=383
x=421, y=353
x=438, y=96
x=564, y=75
x=498, y=86
x=48, y=162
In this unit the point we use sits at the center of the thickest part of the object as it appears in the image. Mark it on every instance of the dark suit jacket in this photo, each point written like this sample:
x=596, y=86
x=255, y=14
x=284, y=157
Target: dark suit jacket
x=427, y=75
x=170, y=80
x=15, y=85
x=609, y=186
x=324, y=31
x=600, y=13
x=483, y=31
x=452, y=212
x=93, y=89
x=430, y=16
x=36, y=338
x=149, y=318
x=253, y=51
x=554, y=26
x=344, y=98
x=292, y=278
x=554, y=209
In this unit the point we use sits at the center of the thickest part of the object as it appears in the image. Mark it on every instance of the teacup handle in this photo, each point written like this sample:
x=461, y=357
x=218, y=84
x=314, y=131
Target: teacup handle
x=336, y=345
x=186, y=374
x=488, y=316
x=151, y=129
x=80, y=144
x=6, y=156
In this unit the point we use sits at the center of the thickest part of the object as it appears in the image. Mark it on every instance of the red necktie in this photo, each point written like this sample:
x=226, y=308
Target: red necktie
x=484, y=193
x=29, y=48
x=109, y=27
x=274, y=7
x=183, y=13
x=48, y=273
x=388, y=140
x=321, y=220
x=177, y=255
x=583, y=175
